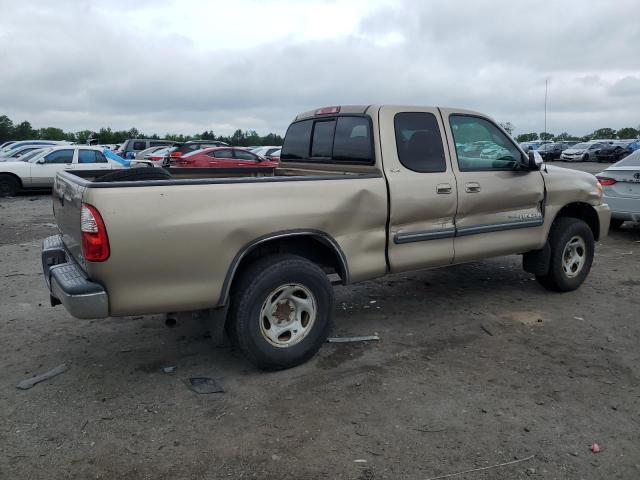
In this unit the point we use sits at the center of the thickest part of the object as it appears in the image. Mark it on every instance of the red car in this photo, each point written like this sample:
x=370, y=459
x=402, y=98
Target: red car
x=222, y=157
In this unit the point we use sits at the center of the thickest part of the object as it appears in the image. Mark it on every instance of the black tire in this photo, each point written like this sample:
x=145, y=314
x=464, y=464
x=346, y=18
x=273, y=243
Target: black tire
x=136, y=174
x=563, y=231
x=585, y=157
x=615, y=223
x=253, y=290
x=9, y=185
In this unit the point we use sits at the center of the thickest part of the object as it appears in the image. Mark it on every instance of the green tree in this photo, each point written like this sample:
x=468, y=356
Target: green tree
x=51, y=133
x=6, y=128
x=24, y=131
x=546, y=136
x=628, y=132
x=508, y=127
x=84, y=135
x=527, y=137
x=604, y=133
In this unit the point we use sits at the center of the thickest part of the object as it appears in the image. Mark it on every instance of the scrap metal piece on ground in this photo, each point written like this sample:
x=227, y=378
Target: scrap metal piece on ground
x=169, y=369
x=30, y=382
x=367, y=338
x=204, y=385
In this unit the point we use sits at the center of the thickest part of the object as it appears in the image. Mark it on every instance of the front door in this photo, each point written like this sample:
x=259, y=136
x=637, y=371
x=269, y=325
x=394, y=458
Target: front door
x=422, y=188
x=43, y=174
x=499, y=199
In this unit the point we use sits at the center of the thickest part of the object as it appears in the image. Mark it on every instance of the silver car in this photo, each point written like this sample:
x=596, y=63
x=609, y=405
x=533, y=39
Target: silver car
x=621, y=185
x=582, y=152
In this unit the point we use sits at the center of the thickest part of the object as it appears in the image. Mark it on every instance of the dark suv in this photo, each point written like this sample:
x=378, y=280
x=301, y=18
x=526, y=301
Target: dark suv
x=552, y=151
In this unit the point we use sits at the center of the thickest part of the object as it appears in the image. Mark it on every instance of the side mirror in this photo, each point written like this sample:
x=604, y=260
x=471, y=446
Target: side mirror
x=41, y=160
x=532, y=162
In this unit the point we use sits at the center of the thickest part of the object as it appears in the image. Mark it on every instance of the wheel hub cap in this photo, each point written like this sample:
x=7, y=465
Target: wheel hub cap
x=287, y=315
x=574, y=256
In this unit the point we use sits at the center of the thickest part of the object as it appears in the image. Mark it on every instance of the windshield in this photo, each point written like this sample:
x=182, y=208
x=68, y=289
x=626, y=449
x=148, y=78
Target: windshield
x=581, y=146
x=632, y=160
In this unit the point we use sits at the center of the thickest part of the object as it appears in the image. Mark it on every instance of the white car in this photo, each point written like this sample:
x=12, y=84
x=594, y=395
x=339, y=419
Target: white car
x=265, y=151
x=40, y=170
x=621, y=186
x=582, y=152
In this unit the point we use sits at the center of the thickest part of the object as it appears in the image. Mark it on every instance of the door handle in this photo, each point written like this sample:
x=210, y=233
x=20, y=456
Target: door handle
x=472, y=187
x=443, y=188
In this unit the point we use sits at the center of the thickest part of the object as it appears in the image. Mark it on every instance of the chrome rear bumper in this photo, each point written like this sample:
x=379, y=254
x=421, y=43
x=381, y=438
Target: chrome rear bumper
x=68, y=284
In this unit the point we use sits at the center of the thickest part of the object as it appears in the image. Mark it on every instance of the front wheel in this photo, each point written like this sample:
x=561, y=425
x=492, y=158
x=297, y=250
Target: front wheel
x=281, y=312
x=9, y=186
x=585, y=157
x=572, y=246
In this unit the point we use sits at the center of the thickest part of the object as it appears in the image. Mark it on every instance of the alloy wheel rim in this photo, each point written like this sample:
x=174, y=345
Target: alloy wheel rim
x=287, y=315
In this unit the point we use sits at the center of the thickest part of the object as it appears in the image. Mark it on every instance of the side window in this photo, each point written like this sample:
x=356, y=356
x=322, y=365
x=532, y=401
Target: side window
x=223, y=154
x=86, y=156
x=481, y=146
x=322, y=143
x=352, y=142
x=100, y=158
x=419, y=142
x=244, y=155
x=60, y=156
x=297, y=141
x=139, y=145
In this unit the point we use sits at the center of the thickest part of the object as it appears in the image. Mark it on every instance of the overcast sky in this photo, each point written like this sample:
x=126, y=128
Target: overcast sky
x=187, y=66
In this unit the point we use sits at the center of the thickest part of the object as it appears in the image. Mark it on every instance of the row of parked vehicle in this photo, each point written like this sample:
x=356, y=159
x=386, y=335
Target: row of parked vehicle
x=605, y=150
x=34, y=163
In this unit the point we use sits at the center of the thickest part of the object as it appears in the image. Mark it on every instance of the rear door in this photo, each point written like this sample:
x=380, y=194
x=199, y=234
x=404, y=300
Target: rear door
x=42, y=174
x=499, y=202
x=245, y=159
x=89, y=159
x=422, y=188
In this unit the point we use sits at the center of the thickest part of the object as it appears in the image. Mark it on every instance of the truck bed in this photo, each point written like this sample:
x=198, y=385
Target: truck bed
x=197, y=223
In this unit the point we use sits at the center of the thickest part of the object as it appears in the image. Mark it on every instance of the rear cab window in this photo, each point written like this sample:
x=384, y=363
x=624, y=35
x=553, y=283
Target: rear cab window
x=343, y=139
x=419, y=142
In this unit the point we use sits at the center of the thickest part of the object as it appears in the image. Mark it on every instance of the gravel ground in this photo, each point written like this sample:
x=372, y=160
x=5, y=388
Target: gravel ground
x=477, y=365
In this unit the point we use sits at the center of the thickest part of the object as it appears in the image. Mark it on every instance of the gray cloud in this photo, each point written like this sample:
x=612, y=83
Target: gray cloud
x=75, y=65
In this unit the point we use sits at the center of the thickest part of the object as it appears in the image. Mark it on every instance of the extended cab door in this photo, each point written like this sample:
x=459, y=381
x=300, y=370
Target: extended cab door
x=422, y=188
x=499, y=200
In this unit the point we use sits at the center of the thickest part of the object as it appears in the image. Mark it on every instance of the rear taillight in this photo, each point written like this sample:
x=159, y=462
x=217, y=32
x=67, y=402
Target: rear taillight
x=154, y=157
x=606, y=182
x=176, y=154
x=95, y=243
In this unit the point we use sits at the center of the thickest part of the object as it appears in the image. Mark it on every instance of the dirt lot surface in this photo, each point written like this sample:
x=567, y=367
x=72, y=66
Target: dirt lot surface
x=477, y=365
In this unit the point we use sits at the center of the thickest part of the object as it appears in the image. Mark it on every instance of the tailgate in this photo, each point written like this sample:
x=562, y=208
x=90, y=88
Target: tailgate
x=67, y=204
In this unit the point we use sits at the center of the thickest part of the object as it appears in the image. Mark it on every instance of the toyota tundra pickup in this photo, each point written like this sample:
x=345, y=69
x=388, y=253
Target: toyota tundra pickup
x=360, y=192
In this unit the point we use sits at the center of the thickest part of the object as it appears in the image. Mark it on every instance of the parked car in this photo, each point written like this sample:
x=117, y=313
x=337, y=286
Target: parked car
x=621, y=185
x=6, y=144
x=19, y=152
x=582, y=152
x=552, y=151
x=40, y=170
x=265, y=151
x=193, y=145
x=131, y=147
x=612, y=152
x=222, y=157
x=274, y=156
x=7, y=150
x=266, y=250
x=145, y=154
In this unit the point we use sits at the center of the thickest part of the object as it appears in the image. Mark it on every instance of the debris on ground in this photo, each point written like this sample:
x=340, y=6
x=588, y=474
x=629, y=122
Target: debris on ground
x=487, y=330
x=204, y=385
x=595, y=448
x=482, y=468
x=169, y=369
x=360, y=460
x=30, y=382
x=366, y=338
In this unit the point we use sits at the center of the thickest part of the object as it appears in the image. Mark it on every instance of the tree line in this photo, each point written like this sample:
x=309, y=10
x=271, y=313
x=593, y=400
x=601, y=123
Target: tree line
x=24, y=131
x=608, y=133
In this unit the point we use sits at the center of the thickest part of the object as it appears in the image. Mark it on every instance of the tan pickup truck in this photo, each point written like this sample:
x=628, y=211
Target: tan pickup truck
x=361, y=191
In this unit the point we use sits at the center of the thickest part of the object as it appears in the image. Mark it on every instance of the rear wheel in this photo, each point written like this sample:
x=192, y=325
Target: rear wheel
x=281, y=311
x=572, y=247
x=9, y=185
x=616, y=223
